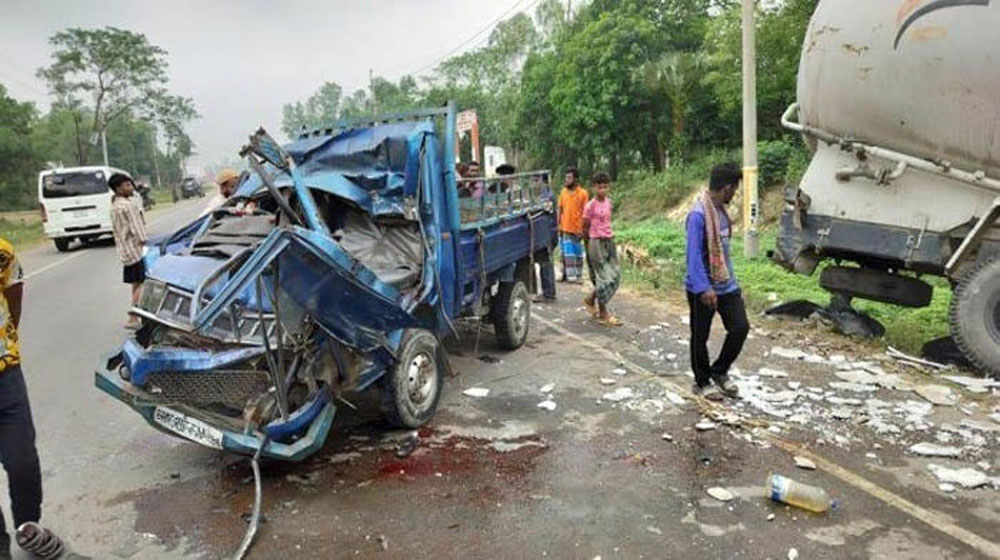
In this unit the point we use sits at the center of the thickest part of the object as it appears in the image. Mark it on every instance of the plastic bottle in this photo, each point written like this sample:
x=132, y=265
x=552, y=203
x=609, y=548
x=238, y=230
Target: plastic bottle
x=785, y=490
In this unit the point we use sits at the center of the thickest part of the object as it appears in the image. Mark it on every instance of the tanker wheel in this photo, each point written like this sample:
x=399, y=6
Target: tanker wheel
x=511, y=311
x=412, y=388
x=975, y=316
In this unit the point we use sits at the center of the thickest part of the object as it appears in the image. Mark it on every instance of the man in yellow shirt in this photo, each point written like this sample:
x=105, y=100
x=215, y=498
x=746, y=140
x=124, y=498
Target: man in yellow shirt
x=572, y=200
x=17, y=431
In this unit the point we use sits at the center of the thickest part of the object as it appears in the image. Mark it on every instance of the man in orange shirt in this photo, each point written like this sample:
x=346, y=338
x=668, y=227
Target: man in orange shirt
x=572, y=201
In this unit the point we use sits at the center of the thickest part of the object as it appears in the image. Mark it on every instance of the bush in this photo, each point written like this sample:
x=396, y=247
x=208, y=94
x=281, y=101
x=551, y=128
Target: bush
x=773, y=157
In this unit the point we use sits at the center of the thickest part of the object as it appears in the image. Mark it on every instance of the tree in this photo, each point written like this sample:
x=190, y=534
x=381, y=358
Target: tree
x=675, y=75
x=322, y=107
x=780, y=32
x=594, y=93
x=113, y=69
x=19, y=162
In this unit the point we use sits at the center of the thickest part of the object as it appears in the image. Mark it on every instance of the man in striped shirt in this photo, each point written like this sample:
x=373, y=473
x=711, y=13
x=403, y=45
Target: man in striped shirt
x=129, y=228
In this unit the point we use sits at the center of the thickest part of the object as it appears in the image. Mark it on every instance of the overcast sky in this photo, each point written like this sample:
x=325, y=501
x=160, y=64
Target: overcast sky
x=242, y=60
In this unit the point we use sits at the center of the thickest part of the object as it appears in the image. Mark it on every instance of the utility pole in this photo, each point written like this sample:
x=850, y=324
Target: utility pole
x=751, y=205
x=371, y=88
x=104, y=142
x=156, y=159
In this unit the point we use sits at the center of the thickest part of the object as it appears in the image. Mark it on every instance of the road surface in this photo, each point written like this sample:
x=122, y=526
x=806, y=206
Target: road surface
x=616, y=470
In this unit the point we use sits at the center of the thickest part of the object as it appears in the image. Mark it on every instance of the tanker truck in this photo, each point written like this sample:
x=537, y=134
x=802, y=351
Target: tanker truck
x=899, y=102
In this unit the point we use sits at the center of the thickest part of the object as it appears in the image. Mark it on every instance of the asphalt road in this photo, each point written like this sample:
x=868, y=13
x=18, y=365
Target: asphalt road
x=499, y=477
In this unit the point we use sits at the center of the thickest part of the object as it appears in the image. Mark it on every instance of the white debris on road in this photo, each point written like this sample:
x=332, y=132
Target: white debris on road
x=619, y=394
x=804, y=463
x=547, y=388
x=965, y=477
x=927, y=449
x=607, y=381
x=476, y=392
x=937, y=394
x=720, y=494
x=704, y=425
x=549, y=405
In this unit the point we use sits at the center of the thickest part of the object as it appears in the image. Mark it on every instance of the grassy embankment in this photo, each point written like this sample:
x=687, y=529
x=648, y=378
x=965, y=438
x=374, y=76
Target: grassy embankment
x=650, y=215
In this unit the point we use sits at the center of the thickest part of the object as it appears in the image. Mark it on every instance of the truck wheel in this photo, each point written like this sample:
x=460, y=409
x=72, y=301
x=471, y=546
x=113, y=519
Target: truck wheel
x=62, y=244
x=412, y=388
x=975, y=316
x=511, y=313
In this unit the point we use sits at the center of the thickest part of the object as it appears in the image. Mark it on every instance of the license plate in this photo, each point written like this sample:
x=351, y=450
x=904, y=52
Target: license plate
x=187, y=427
x=80, y=213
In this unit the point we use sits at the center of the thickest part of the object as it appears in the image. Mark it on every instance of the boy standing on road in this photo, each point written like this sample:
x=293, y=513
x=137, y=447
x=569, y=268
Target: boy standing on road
x=17, y=430
x=602, y=255
x=572, y=200
x=129, y=229
x=711, y=284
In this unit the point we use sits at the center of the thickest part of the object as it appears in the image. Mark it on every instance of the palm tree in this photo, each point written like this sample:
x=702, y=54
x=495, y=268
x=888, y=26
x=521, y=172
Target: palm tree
x=676, y=75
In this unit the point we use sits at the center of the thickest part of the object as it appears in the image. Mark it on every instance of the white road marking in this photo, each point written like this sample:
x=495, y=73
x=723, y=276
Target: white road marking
x=940, y=521
x=50, y=266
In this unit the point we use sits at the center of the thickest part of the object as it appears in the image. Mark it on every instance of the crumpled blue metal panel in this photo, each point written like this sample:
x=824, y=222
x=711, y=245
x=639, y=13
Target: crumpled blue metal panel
x=372, y=167
x=142, y=362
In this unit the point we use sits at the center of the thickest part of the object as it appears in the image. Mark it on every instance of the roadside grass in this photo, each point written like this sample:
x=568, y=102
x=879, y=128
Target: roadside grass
x=906, y=329
x=21, y=228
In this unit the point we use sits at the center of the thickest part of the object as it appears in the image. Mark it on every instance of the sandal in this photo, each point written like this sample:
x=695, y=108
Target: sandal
x=591, y=307
x=611, y=321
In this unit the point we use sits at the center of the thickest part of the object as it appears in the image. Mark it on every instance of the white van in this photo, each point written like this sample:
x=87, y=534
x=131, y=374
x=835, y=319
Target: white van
x=75, y=203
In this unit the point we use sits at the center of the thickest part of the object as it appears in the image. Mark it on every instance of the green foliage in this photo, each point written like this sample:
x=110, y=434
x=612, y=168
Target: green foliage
x=18, y=159
x=643, y=194
x=772, y=161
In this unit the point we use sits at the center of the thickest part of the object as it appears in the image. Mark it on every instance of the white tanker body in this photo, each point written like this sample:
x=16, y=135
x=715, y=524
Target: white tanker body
x=900, y=101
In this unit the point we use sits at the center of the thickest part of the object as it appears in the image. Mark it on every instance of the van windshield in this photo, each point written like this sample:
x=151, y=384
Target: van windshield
x=74, y=183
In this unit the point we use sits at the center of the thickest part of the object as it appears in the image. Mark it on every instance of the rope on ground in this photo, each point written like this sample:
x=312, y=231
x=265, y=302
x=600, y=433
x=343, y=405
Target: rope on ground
x=255, y=516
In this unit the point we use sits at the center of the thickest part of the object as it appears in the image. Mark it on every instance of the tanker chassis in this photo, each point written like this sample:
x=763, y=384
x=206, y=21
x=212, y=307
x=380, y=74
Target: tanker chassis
x=899, y=102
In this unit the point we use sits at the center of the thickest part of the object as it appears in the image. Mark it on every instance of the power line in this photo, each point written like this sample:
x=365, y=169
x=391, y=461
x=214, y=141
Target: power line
x=488, y=27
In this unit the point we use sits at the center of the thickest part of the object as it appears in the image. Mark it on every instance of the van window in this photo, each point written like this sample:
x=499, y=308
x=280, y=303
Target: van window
x=74, y=183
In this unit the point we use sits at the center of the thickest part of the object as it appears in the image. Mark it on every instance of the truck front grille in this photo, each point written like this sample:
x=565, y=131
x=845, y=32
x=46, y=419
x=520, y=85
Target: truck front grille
x=232, y=388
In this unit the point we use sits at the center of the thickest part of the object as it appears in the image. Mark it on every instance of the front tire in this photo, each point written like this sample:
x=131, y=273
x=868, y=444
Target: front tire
x=975, y=316
x=511, y=314
x=62, y=244
x=412, y=388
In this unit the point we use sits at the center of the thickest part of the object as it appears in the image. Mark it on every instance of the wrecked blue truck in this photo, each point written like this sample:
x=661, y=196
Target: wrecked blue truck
x=340, y=264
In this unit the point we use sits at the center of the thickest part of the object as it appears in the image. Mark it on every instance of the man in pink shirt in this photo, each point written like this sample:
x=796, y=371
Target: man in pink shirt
x=602, y=255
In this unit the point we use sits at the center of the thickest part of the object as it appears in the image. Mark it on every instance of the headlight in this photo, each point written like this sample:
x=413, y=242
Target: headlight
x=153, y=292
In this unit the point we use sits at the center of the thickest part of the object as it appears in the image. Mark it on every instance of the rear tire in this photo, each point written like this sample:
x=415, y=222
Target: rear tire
x=62, y=244
x=511, y=312
x=412, y=388
x=975, y=316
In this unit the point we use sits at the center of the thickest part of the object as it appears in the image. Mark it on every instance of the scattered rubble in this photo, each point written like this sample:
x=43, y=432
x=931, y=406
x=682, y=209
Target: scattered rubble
x=965, y=477
x=548, y=404
x=927, y=449
x=619, y=394
x=804, y=463
x=720, y=494
x=937, y=394
x=607, y=381
x=704, y=425
x=547, y=388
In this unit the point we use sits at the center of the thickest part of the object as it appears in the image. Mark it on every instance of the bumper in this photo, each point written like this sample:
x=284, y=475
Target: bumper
x=55, y=233
x=805, y=239
x=317, y=415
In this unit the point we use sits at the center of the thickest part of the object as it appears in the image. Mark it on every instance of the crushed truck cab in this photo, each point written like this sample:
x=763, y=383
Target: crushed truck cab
x=338, y=266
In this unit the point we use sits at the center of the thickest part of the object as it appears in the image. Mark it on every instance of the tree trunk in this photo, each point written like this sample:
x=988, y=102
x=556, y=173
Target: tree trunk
x=657, y=151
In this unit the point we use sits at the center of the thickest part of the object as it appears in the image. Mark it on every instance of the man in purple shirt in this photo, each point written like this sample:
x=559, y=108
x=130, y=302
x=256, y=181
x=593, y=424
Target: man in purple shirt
x=707, y=296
